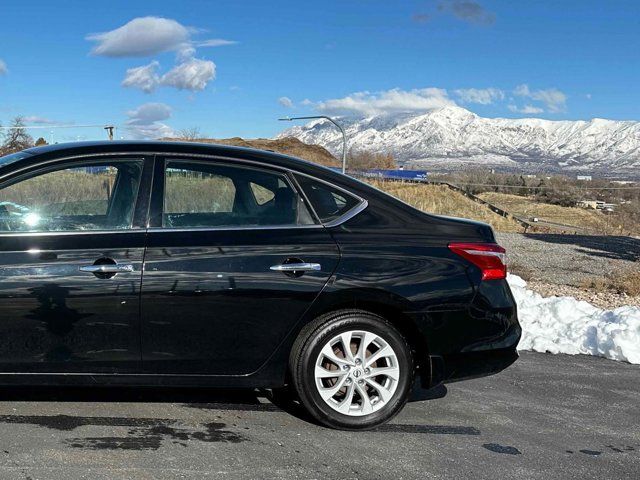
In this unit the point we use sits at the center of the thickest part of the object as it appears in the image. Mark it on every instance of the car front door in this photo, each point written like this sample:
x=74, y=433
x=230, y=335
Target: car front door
x=72, y=238
x=219, y=291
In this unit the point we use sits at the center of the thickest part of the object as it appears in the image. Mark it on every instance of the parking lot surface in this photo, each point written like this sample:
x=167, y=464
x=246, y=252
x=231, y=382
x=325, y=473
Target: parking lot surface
x=548, y=416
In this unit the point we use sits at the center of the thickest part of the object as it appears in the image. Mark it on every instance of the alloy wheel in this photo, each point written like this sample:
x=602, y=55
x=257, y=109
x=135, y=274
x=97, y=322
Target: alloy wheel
x=357, y=373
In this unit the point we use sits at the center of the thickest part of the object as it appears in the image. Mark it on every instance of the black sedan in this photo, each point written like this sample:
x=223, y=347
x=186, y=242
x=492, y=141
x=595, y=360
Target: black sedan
x=199, y=265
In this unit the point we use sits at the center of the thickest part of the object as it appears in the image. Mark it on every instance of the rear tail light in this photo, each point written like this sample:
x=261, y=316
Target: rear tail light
x=490, y=258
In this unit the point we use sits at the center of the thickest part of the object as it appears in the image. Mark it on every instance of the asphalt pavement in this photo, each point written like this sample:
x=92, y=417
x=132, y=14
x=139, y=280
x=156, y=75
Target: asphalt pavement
x=548, y=416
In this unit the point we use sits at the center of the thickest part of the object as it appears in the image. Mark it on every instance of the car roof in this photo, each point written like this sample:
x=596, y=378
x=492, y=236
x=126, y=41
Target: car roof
x=37, y=155
x=157, y=146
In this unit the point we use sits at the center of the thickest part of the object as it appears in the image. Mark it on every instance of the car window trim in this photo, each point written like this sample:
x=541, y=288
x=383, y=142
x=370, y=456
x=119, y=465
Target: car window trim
x=163, y=160
x=56, y=164
x=349, y=214
x=158, y=156
x=72, y=232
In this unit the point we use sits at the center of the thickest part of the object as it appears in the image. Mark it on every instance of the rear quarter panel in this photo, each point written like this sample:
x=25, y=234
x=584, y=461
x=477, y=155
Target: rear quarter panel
x=398, y=258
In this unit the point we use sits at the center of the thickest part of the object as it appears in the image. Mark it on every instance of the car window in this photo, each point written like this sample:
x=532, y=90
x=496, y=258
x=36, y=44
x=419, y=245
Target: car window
x=328, y=202
x=95, y=196
x=209, y=195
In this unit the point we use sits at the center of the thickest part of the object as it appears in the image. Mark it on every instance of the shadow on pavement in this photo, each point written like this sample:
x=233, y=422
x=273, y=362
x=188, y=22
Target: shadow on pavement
x=147, y=430
x=227, y=399
x=618, y=248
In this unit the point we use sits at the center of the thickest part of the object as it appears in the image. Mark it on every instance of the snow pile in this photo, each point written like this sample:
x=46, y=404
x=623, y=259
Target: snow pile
x=567, y=325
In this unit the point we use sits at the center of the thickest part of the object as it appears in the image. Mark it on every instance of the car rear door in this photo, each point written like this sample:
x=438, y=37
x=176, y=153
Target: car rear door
x=219, y=291
x=72, y=238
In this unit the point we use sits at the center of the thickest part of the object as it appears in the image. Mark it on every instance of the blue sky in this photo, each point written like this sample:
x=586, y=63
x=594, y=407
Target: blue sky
x=232, y=67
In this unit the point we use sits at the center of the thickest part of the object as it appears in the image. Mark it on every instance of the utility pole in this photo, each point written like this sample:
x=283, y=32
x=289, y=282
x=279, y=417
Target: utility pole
x=324, y=117
x=109, y=129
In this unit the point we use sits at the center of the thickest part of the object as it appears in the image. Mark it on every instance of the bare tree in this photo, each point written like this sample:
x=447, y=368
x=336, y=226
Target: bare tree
x=16, y=138
x=190, y=134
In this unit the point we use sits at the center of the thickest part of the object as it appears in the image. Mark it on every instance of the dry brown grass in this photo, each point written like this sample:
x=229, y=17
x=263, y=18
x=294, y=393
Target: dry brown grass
x=68, y=192
x=624, y=282
x=527, y=207
x=441, y=200
x=288, y=146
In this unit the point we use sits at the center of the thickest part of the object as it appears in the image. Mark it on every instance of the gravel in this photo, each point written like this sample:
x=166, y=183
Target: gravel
x=602, y=299
x=556, y=264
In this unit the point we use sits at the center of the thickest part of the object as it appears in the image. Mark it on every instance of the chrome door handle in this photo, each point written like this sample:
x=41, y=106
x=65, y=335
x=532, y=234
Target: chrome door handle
x=296, y=267
x=107, y=268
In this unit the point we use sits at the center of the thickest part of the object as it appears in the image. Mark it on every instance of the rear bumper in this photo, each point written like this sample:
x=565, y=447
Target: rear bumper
x=462, y=366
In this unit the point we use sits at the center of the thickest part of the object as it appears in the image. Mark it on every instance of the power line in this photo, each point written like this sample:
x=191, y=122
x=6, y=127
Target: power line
x=542, y=187
x=47, y=127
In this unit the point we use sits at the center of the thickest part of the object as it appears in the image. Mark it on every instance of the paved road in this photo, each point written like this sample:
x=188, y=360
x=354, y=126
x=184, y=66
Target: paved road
x=546, y=417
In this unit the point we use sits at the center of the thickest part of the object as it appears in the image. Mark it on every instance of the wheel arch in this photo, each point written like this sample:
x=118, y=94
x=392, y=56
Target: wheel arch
x=390, y=311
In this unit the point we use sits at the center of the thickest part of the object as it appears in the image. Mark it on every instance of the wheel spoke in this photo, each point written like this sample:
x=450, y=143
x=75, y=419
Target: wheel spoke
x=322, y=372
x=385, y=395
x=383, y=352
x=327, y=392
x=366, y=400
x=345, y=405
x=345, y=339
x=367, y=338
x=327, y=351
x=391, y=372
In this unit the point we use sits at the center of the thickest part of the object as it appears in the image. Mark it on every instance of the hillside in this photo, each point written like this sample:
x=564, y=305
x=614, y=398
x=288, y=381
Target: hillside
x=441, y=200
x=451, y=137
x=527, y=208
x=287, y=145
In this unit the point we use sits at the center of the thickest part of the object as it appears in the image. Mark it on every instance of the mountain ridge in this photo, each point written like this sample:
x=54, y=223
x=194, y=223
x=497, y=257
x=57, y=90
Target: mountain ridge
x=451, y=136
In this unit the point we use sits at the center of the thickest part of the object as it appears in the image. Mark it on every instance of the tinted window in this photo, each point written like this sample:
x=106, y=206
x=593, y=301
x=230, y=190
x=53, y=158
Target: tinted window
x=97, y=196
x=204, y=195
x=328, y=202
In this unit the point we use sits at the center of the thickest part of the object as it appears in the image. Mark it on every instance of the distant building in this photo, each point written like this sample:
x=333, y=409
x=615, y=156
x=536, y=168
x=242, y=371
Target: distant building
x=596, y=205
x=584, y=178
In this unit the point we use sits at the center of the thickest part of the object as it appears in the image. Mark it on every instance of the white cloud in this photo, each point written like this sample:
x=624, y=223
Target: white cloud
x=146, y=121
x=141, y=37
x=145, y=77
x=285, y=102
x=483, y=96
x=3, y=68
x=389, y=101
x=146, y=36
x=527, y=109
x=216, y=42
x=552, y=98
x=193, y=74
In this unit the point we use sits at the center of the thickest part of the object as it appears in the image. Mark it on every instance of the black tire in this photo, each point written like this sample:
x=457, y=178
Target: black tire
x=307, y=348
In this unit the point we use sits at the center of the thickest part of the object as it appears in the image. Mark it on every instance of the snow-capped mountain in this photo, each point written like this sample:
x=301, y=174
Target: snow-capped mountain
x=453, y=137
